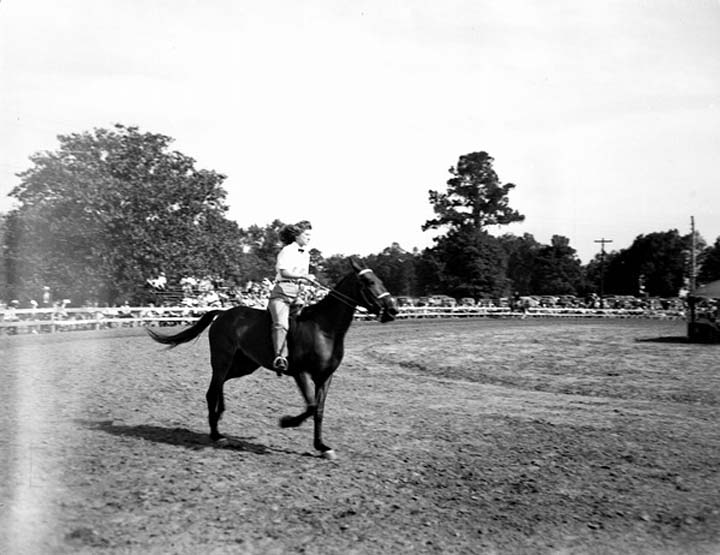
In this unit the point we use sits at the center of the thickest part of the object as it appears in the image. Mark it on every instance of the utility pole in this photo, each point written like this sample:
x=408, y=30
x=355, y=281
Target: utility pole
x=691, y=294
x=602, y=242
x=692, y=256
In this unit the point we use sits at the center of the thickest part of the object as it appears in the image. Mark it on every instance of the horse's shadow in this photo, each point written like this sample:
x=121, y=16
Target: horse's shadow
x=181, y=437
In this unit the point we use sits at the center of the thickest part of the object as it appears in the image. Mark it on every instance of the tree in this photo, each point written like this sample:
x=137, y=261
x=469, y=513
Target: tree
x=4, y=289
x=474, y=197
x=595, y=272
x=109, y=209
x=429, y=273
x=261, y=245
x=556, y=269
x=710, y=268
x=521, y=253
x=334, y=268
x=396, y=268
x=465, y=263
x=659, y=257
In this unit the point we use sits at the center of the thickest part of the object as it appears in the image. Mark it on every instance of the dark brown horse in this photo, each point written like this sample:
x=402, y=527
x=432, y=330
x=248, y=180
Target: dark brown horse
x=240, y=344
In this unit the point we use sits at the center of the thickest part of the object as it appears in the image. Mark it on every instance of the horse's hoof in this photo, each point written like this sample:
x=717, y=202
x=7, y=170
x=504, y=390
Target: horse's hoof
x=221, y=441
x=288, y=422
x=329, y=455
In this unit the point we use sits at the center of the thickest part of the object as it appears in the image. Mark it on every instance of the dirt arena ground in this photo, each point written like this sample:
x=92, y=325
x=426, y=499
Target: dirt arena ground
x=464, y=436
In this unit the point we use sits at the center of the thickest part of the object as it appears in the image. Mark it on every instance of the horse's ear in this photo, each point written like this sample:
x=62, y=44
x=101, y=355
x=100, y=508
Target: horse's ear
x=355, y=264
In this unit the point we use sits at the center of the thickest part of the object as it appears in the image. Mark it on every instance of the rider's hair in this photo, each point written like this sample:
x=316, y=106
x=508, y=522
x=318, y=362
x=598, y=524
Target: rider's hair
x=289, y=233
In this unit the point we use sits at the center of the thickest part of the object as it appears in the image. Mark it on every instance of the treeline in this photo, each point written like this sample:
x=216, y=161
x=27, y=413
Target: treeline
x=113, y=207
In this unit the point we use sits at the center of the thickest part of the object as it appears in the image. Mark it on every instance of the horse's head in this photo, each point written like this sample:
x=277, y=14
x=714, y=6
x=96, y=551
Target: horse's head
x=373, y=295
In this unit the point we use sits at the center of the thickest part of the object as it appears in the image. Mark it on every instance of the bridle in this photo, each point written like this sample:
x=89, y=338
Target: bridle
x=352, y=303
x=377, y=296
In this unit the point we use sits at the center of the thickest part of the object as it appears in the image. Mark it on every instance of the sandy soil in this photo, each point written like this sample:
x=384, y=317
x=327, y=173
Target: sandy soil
x=468, y=436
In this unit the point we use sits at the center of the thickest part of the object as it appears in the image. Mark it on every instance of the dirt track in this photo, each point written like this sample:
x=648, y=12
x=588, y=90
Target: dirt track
x=453, y=437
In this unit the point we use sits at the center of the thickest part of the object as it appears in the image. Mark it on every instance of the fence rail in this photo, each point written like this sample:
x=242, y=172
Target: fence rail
x=53, y=320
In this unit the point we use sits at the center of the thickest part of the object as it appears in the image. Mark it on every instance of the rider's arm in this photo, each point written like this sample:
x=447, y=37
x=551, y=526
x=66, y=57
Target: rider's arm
x=287, y=274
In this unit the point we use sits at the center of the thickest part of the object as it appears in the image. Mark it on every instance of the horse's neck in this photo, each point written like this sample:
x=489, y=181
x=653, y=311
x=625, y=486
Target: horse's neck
x=339, y=305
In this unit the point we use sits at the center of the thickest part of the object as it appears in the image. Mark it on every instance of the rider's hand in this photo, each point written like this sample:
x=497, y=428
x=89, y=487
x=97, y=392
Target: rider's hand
x=310, y=278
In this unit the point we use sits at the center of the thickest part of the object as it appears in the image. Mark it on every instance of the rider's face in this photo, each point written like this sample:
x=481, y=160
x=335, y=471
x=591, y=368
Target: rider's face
x=304, y=238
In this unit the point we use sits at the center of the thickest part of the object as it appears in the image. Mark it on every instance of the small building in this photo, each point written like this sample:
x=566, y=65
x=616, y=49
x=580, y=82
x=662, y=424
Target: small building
x=704, y=313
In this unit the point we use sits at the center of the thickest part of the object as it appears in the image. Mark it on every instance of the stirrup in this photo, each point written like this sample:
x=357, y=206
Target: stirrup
x=280, y=365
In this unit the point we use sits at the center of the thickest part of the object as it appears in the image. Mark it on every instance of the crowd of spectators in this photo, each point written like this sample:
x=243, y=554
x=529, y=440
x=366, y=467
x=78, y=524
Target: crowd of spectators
x=192, y=296
x=208, y=292
x=524, y=302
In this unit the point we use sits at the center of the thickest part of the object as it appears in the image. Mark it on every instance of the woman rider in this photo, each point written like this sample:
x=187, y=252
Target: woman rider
x=292, y=267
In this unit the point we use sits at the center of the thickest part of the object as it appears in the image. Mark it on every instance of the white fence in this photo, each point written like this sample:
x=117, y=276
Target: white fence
x=13, y=321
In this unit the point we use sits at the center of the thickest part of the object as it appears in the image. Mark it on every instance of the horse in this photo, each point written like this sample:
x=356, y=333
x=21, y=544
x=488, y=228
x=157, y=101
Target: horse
x=240, y=343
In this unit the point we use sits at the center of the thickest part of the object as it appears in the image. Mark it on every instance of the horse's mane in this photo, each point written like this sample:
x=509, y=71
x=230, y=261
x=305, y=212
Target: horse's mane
x=310, y=311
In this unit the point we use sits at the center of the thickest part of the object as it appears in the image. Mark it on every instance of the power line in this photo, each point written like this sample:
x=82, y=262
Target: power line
x=602, y=242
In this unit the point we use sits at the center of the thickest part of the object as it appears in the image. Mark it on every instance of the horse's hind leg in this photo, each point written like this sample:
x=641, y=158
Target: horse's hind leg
x=221, y=361
x=216, y=404
x=224, y=368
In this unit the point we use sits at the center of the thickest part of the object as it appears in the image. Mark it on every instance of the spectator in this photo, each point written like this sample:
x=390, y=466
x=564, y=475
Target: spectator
x=210, y=298
x=124, y=310
x=11, y=312
x=61, y=312
x=46, y=298
x=188, y=285
x=159, y=283
x=205, y=285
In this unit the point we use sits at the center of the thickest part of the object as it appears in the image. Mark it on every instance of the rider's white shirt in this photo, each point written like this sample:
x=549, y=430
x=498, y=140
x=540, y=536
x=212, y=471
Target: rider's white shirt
x=293, y=259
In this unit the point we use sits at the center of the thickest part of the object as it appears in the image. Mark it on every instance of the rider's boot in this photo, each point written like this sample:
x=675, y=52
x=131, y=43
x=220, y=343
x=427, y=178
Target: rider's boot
x=280, y=363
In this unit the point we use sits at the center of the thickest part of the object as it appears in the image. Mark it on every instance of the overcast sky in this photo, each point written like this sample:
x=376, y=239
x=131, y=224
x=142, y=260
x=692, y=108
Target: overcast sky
x=606, y=115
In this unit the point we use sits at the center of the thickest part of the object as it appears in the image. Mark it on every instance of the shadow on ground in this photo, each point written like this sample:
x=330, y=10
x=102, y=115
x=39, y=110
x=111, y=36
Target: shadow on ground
x=176, y=436
x=672, y=339
x=680, y=339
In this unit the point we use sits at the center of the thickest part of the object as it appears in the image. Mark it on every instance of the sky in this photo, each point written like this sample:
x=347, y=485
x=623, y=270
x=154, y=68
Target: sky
x=605, y=115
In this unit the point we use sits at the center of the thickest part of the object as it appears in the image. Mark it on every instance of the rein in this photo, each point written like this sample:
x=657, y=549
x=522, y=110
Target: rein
x=345, y=299
x=342, y=297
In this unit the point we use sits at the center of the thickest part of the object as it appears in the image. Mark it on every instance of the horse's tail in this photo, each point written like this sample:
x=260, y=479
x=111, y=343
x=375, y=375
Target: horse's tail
x=187, y=334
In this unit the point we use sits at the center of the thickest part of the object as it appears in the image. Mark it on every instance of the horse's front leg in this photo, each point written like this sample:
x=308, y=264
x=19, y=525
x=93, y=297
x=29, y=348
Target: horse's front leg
x=303, y=382
x=321, y=390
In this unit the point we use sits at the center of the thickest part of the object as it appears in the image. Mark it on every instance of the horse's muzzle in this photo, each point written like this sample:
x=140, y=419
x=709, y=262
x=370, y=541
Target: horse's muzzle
x=388, y=311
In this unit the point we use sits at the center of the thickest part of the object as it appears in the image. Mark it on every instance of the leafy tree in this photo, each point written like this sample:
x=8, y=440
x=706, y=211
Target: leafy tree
x=557, y=270
x=596, y=270
x=474, y=197
x=335, y=267
x=4, y=288
x=262, y=244
x=396, y=268
x=710, y=268
x=429, y=273
x=521, y=253
x=109, y=209
x=466, y=263
x=660, y=257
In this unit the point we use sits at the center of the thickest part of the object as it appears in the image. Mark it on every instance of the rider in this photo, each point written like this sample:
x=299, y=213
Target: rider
x=292, y=267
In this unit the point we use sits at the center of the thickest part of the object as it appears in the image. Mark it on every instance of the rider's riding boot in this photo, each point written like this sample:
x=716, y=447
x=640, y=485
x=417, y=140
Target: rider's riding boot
x=280, y=363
